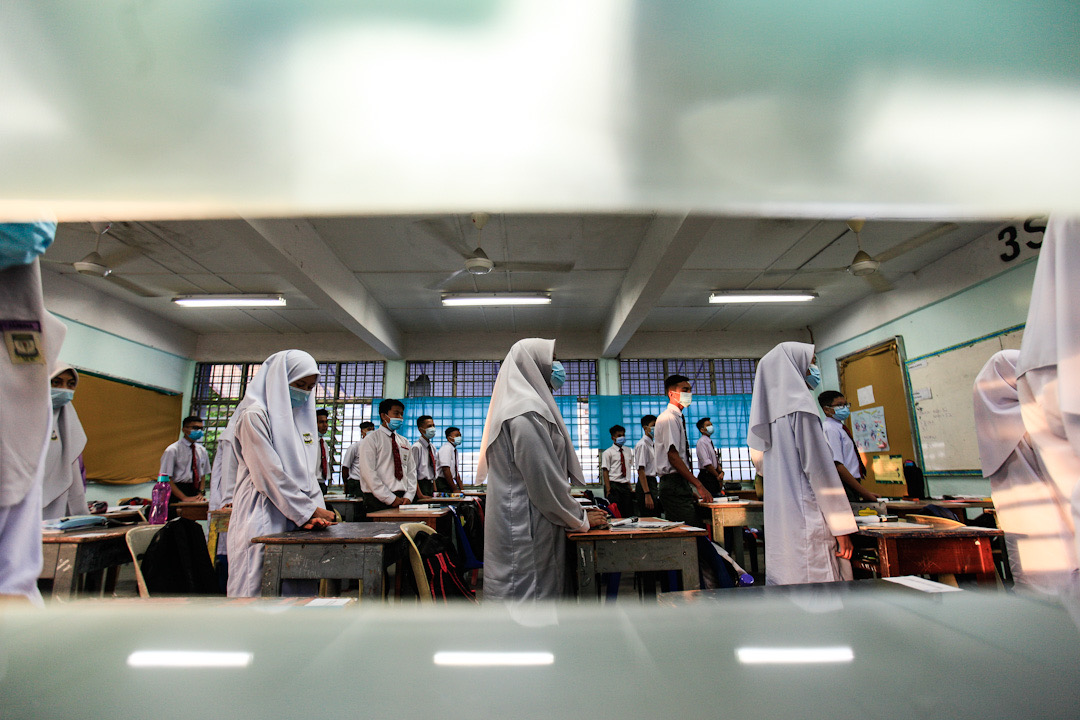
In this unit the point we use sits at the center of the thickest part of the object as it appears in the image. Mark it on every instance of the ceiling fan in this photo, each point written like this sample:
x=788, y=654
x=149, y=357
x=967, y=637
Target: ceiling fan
x=476, y=260
x=869, y=267
x=94, y=265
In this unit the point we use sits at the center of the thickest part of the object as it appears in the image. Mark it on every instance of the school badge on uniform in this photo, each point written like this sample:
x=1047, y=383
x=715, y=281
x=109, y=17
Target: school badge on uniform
x=22, y=338
x=308, y=439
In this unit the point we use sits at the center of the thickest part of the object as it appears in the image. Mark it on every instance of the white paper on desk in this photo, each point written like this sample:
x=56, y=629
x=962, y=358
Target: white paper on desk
x=918, y=583
x=385, y=535
x=328, y=602
x=646, y=525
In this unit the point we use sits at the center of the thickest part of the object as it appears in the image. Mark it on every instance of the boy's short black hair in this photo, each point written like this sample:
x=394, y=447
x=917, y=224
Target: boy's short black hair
x=701, y=422
x=648, y=420
x=367, y=425
x=451, y=430
x=322, y=412
x=389, y=404
x=826, y=398
x=673, y=380
x=190, y=420
x=422, y=419
x=616, y=429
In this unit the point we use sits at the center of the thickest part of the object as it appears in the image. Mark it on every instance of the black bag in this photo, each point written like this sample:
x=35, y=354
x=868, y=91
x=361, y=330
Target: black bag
x=444, y=578
x=176, y=561
x=916, y=483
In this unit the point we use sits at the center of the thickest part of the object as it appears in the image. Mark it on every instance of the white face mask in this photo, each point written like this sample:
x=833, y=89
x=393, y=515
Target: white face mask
x=707, y=429
x=685, y=398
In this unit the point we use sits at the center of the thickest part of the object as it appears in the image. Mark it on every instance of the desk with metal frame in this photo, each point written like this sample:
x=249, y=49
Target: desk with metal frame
x=890, y=550
x=728, y=519
x=75, y=560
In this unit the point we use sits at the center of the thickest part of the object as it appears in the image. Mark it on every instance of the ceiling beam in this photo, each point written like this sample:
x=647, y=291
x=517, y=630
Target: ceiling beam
x=663, y=252
x=294, y=250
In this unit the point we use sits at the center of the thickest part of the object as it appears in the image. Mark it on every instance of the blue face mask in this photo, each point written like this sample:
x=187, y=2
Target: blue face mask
x=298, y=397
x=394, y=423
x=813, y=376
x=620, y=441
x=196, y=435
x=61, y=397
x=20, y=243
x=842, y=413
x=455, y=441
x=558, y=375
x=429, y=433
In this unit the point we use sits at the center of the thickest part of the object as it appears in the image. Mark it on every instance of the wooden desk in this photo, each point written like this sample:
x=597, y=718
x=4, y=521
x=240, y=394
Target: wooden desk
x=437, y=519
x=606, y=551
x=75, y=560
x=728, y=519
x=346, y=551
x=219, y=523
x=191, y=510
x=350, y=509
x=894, y=551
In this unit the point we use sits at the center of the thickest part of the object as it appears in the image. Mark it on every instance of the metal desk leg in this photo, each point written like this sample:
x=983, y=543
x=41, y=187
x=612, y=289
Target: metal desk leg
x=586, y=571
x=371, y=586
x=689, y=567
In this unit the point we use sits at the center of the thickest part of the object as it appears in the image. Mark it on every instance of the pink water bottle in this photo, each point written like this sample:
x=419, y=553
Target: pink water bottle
x=159, y=501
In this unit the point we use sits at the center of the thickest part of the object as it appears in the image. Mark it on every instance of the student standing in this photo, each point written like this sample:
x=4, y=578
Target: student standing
x=186, y=463
x=384, y=464
x=275, y=445
x=449, y=478
x=845, y=455
x=63, y=492
x=807, y=514
x=616, y=465
x=350, y=454
x=423, y=457
x=710, y=473
x=1048, y=369
x=325, y=459
x=528, y=462
x=671, y=448
x=648, y=492
x=1038, y=529
x=32, y=339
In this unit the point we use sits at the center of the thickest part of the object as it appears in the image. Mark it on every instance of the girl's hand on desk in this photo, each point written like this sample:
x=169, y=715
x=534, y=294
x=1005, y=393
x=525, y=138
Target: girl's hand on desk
x=597, y=518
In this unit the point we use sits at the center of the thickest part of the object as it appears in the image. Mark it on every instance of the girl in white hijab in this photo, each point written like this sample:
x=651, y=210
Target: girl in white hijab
x=1038, y=530
x=528, y=462
x=63, y=492
x=275, y=443
x=807, y=514
x=25, y=413
x=1048, y=370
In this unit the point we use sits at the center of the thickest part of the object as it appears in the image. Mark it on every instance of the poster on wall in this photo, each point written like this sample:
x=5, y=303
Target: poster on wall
x=888, y=469
x=868, y=428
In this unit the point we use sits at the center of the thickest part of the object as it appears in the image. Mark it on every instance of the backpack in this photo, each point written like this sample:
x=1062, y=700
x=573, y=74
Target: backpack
x=444, y=578
x=176, y=561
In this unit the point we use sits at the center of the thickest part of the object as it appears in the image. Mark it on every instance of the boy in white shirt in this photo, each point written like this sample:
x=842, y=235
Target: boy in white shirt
x=648, y=494
x=325, y=459
x=449, y=478
x=423, y=458
x=708, y=460
x=616, y=466
x=352, y=488
x=186, y=463
x=845, y=455
x=384, y=463
x=671, y=450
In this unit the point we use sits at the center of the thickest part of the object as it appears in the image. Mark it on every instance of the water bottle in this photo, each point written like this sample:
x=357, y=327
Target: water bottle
x=159, y=501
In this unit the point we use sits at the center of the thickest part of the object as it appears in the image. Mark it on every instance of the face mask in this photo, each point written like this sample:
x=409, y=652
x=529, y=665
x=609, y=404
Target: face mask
x=20, y=243
x=394, y=423
x=455, y=441
x=558, y=375
x=649, y=430
x=842, y=413
x=813, y=376
x=429, y=433
x=685, y=398
x=620, y=441
x=707, y=429
x=61, y=397
x=298, y=397
x=196, y=435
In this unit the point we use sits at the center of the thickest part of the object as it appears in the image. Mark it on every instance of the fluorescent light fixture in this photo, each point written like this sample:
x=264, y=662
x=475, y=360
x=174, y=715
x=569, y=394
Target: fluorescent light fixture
x=760, y=296
x=230, y=301
x=494, y=659
x=486, y=299
x=188, y=659
x=794, y=656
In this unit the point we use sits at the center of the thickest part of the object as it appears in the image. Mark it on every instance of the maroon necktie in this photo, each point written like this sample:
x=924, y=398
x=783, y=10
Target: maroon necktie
x=431, y=454
x=398, y=472
x=194, y=466
x=622, y=461
x=322, y=450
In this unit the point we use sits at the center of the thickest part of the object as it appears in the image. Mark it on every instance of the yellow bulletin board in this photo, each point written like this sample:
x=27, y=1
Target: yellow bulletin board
x=127, y=428
x=873, y=381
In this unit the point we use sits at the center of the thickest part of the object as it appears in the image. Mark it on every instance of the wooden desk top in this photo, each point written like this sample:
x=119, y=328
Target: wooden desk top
x=891, y=529
x=191, y=504
x=450, y=500
x=951, y=504
x=398, y=513
x=738, y=504
x=340, y=533
x=87, y=535
x=682, y=531
x=342, y=499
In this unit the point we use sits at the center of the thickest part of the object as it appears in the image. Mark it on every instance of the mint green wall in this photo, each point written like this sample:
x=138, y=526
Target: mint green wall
x=989, y=307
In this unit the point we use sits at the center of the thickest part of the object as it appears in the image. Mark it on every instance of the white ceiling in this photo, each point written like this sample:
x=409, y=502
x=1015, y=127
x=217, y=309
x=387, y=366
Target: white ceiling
x=399, y=259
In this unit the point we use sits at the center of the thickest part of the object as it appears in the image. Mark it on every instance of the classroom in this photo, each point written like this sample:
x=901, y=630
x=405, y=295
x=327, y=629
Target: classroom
x=406, y=195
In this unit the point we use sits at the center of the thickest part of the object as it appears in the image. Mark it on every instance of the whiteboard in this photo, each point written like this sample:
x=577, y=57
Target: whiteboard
x=941, y=394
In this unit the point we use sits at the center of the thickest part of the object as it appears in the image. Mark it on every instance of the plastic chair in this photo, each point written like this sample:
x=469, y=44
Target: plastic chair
x=411, y=530
x=138, y=539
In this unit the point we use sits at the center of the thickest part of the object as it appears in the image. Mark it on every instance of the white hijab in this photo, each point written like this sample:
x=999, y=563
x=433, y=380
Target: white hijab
x=522, y=387
x=269, y=389
x=68, y=426
x=999, y=426
x=779, y=389
x=1052, y=334
x=25, y=408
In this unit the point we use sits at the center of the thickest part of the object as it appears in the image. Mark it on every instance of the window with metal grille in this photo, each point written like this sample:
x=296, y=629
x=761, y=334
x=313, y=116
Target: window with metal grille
x=580, y=379
x=727, y=376
x=451, y=378
x=345, y=389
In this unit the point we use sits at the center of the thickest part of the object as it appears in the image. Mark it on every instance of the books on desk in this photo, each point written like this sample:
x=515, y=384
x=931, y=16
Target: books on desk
x=417, y=507
x=632, y=524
